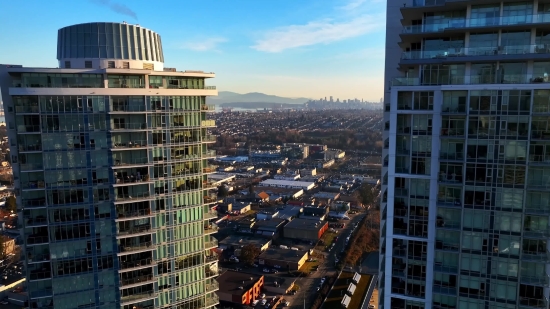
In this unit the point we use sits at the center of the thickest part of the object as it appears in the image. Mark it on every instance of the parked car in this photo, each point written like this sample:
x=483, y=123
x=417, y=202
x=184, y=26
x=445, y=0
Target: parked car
x=266, y=270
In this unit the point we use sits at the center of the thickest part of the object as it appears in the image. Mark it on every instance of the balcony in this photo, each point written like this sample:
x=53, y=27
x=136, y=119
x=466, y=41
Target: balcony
x=128, y=145
x=475, y=51
x=538, y=209
x=541, y=280
x=209, y=138
x=36, y=221
x=131, y=178
x=126, y=299
x=126, y=161
x=132, y=196
x=532, y=302
x=29, y=167
x=127, y=231
x=213, y=243
x=488, y=79
x=210, y=215
x=211, y=300
x=536, y=256
x=208, y=154
x=30, y=147
x=208, y=123
x=209, y=169
x=138, y=280
x=497, y=22
x=126, y=81
x=134, y=264
x=136, y=246
x=32, y=184
x=208, y=108
x=210, y=229
x=213, y=286
x=131, y=214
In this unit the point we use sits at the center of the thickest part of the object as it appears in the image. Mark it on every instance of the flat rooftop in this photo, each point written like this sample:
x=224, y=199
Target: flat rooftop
x=230, y=281
x=335, y=296
x=305, y=224
x=273, y=223
x=280, y=182
x=240, y=240
x=283, y=254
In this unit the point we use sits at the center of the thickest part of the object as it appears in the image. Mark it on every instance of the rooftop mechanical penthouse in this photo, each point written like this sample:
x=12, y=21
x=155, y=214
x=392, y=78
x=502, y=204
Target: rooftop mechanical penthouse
x=109, y=157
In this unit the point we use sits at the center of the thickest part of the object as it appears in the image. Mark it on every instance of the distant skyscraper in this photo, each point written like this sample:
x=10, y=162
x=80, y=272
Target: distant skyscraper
x=465, y=200
x=110, y=156
x=331, y=99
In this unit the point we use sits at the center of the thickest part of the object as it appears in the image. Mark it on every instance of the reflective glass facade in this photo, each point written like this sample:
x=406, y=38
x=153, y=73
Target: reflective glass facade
x=465, y=195
x=112, y=191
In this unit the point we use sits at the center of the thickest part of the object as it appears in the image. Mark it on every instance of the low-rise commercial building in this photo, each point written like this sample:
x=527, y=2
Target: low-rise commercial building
x=274, y=193
x=288, y=213
x=268, y=228
x=288, y=184
x=239, y=241
x=311, y=230
x=316, y=211
x=239, y=288
x=287, y=259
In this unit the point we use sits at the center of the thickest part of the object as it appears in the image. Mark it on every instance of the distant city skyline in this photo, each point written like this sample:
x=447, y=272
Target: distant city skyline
x=306, y=48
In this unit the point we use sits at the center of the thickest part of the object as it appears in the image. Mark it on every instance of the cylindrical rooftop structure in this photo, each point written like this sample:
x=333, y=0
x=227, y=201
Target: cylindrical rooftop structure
x=108, y=41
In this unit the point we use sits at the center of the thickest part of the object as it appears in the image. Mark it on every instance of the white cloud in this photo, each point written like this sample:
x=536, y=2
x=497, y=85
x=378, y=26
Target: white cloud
x=206, y=44
x=317, y=32
x=353, y=6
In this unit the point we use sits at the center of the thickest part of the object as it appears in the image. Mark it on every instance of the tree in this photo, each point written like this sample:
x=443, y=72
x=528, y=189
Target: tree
x=249, y=254
x=222, y=191
x=11, y=204
x=251, y=190
x=366, y=194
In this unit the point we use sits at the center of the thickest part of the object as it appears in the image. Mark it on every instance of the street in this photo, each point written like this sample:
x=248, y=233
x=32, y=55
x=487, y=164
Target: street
x=307, y=285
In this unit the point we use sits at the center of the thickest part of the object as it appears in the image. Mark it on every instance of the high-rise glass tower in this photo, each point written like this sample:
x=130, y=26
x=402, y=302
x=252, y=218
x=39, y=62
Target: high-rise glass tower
x=109, y=155
x=466, y=176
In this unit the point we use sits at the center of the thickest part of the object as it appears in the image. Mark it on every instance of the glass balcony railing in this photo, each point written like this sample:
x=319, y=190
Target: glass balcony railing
x=136, y=280
x=478, y=22
x=136, y=247
x=209, y=108
x=136, y=296
x=211, y=300
x=211, y=244
x=208, y=123
x=472, y=80
x=476, y=51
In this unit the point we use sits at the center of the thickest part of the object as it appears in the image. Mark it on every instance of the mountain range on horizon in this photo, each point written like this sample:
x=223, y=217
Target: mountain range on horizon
x=252, y=97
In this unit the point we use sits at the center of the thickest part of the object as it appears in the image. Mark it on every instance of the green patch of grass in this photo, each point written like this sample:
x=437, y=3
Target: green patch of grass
x=328, y=239
x=339, y=290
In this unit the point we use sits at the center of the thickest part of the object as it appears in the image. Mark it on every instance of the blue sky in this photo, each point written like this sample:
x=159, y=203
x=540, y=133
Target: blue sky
x=294, y=48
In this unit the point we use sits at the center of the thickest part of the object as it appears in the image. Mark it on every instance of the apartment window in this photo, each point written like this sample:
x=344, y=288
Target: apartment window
x=126, y=65
x=473, y=263
x=110, y=64
x=67, y=64
x=503, y=289
x=88, y=64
